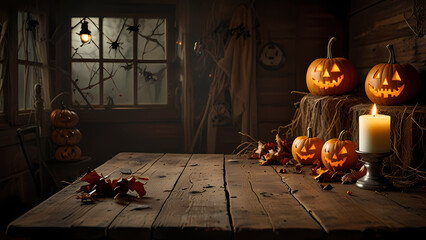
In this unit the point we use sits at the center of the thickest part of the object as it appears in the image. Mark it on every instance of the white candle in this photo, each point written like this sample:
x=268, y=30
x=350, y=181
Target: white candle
x=374, y=132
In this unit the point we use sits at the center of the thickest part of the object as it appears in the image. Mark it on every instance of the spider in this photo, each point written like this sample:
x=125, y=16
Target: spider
x=115, y=45
x=127, y=67
x=134, y=28
x=149, y=76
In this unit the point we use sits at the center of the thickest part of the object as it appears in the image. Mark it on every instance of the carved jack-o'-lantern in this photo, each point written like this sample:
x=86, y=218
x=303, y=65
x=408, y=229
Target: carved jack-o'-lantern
x=331, y=76
x=64, y=118
x=307, y=149
x=392, y=83
x=66, y=136
x=68, y=153
x=338, y=154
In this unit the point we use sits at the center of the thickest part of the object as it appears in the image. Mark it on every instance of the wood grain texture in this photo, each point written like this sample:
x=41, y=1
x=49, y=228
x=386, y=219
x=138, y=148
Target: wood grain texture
x=197, y=206
x=362, y=215
x=261, y=205
x=163, y=174
x=64, y=216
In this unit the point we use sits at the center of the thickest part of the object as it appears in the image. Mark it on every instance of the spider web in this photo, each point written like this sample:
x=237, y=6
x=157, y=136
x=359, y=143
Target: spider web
x=150, y=33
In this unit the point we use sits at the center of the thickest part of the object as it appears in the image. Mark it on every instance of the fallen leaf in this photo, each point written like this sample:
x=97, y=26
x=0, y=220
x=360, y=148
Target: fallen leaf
x=354, y=175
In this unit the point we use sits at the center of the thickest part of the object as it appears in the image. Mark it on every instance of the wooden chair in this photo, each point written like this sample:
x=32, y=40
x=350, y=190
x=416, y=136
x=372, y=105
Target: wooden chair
x=41, y=168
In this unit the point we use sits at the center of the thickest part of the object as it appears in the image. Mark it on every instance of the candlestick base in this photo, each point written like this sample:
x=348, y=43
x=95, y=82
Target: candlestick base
x=373, y=179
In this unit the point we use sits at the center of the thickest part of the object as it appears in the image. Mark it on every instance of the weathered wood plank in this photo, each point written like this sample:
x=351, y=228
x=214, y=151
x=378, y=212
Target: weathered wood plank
x=163, y=175
x=364, y=214
x=197, y=207
x=64, y=216
x=380, y=22
x=261, y=205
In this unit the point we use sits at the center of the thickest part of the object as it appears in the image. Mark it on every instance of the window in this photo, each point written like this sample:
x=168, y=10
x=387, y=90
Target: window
x=125, y=62
x=31, y=47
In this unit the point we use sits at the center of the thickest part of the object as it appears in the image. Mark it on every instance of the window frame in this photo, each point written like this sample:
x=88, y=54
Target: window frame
x=11, y=115
x=170, y=55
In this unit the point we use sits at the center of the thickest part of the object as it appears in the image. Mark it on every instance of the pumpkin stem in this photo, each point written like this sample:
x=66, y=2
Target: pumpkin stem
x=309, y=132
x=63, y=106
x=330, y=42
x=342, y=133
x=392, y=58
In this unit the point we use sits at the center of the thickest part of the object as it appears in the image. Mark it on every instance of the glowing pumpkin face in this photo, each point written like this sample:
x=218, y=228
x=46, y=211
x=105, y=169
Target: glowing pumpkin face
x=68, y=153
x=307, y=149
x=392, y=83
x=338, y=154
x=66, y=136
x=331, y=76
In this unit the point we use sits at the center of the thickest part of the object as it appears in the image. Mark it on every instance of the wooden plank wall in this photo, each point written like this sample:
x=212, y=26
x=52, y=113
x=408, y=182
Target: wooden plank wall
x=303, y=29
x=373, y=25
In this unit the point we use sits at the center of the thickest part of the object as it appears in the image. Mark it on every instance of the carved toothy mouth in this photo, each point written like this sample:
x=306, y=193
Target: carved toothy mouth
x=385, y=93
x=305, y=157
x=329, y=84
x=336, y=163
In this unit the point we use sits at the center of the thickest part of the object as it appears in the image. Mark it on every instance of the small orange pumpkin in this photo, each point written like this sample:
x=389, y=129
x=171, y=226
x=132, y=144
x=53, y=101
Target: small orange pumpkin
x=331, y=76
x=66, y=136
x=64, y=118
x=391, y=83
x=338, y=154
x=307, y=149
x=68, y=153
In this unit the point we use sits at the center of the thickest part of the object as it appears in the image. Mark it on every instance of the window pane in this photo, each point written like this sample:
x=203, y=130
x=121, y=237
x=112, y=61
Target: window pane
x=152, y=39
x=28, y=31
x=86, y=75
x=118, y=84
x=152, y=83
x=27, y=76
x=117, y=40
x=80, y=49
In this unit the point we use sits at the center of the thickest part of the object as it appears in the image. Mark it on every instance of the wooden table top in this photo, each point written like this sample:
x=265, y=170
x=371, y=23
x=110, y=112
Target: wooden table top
x=214, y=196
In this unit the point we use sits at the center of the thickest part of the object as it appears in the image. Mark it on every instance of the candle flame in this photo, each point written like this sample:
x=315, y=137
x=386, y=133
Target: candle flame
x=374, y=111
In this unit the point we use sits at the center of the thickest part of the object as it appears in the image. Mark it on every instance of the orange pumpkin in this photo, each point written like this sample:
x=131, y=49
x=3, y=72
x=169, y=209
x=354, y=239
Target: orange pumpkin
x=338, y=154
x=331, y=76
x=66, y=136
x=68, y=153
x=307, y=149
x=391, y=83
x=64, y=118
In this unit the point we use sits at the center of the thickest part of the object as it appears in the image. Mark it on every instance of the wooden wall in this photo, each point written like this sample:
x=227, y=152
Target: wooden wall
x=373, y=25
x=303, y=29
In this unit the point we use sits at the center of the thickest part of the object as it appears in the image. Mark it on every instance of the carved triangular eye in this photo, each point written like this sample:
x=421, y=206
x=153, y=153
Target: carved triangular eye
x=343, y=150
x=335, y=68
x=396, y=76
x=326, y=74
x=312, y=147
x=377, y=74
x=385, y=82
x=303, y=149
x=318, y=68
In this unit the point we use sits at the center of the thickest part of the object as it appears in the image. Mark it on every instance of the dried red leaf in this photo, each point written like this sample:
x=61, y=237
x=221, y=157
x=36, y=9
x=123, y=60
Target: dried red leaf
x=99, y=186
x=91, y=177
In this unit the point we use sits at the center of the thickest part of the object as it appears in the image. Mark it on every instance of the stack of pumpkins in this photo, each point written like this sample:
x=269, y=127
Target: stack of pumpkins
x=65, y=135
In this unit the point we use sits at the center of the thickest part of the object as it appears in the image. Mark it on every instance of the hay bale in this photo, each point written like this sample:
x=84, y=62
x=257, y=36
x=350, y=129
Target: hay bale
x=327, y=115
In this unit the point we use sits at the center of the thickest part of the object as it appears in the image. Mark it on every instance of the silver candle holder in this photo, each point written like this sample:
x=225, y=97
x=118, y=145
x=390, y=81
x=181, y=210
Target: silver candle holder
x=373, y=179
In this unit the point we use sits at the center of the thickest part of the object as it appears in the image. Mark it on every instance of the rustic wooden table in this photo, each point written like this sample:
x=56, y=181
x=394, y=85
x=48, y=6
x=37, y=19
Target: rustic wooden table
x=202, y=196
